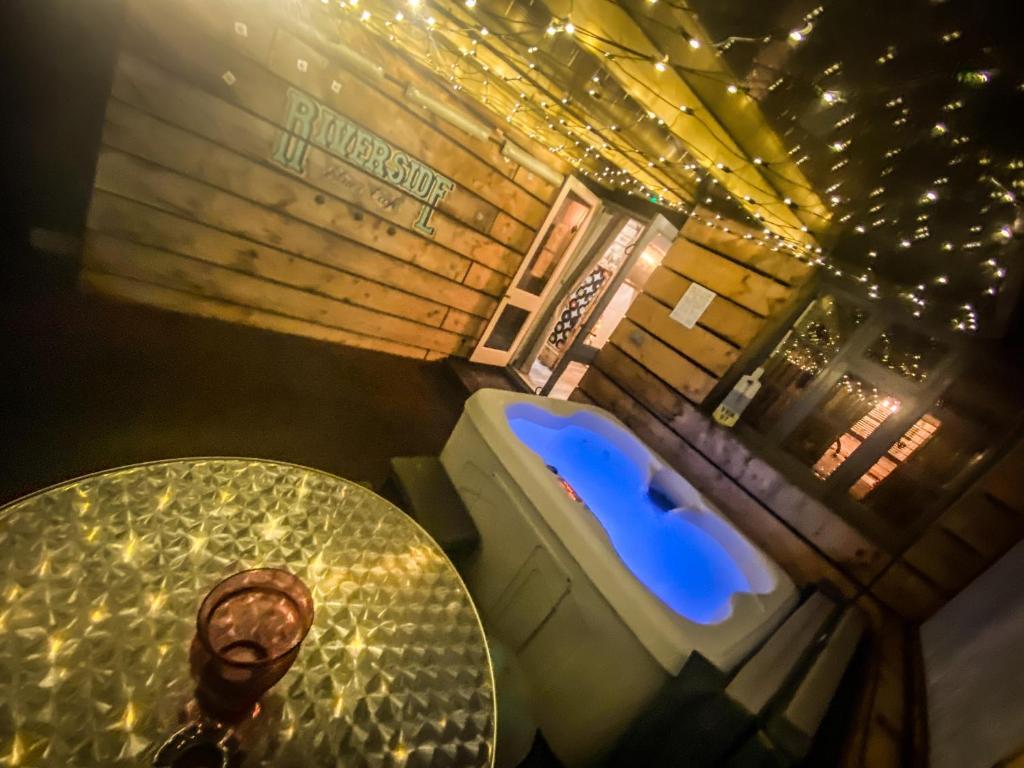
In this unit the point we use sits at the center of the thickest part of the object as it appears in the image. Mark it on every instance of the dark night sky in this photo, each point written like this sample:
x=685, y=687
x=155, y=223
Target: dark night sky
x=909, y=115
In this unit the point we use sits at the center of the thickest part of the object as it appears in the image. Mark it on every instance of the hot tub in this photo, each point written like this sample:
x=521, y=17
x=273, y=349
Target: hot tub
x=600, y=567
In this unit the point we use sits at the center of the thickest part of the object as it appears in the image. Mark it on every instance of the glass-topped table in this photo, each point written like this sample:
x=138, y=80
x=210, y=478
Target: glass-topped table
x=101, y=577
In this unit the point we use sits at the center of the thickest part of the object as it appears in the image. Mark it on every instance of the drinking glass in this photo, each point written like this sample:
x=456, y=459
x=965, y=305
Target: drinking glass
x=248, y=633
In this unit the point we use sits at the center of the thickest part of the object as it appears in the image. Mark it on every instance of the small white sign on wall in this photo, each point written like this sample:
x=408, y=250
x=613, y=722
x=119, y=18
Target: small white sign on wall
x=692, y=305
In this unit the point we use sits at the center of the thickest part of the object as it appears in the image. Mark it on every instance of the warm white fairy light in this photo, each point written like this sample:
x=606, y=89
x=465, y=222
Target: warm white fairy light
x=884, y=215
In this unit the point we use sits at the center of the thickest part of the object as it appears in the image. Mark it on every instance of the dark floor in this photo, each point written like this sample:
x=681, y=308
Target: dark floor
x=92, y=384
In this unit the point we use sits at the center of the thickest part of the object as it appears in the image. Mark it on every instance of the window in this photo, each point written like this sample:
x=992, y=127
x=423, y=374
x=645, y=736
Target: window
x=921, y=469
x=803, y=354
x=908, y=353
x=853, y=399
x=849, y=414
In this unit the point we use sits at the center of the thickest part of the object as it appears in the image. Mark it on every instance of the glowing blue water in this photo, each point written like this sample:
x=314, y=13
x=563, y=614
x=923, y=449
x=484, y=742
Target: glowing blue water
x=683, y=565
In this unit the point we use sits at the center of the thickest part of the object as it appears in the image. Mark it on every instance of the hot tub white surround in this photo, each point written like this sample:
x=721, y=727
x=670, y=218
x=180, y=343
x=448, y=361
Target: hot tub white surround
x=600, y=567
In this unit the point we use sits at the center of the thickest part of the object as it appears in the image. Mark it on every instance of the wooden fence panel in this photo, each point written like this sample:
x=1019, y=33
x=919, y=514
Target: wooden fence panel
x=245, y=175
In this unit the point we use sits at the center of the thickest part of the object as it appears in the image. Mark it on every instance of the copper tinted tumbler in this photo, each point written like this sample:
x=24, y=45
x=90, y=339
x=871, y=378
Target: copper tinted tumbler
x=248, y=633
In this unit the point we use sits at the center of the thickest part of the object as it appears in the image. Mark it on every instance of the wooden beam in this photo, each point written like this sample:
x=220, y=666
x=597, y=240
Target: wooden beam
x=736, y=282
x=696, y=344
x=739, y=244
x=663, y=361
x=724, y=317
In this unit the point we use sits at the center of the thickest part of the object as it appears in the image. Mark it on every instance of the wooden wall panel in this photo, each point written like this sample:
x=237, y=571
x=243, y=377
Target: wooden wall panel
x=970, y=534
x=740, y=284
x=710, y=352
x=155, y=93
x=128, y=289
x=132, y=221
x=136, y=180
x=737, y=244
x=215, y=195
x=723, y=317
x=147, y=264
x=662, y=360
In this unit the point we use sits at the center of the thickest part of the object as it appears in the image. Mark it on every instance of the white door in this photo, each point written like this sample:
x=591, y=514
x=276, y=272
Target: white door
x=558, y=236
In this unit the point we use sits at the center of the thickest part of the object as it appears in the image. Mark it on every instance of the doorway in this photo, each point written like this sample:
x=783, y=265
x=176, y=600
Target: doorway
x=612, y=269
x=554, y=245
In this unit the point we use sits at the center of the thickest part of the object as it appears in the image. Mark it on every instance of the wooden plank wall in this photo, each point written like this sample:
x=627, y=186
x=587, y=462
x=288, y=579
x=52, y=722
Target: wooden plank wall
x=190, y=211
x=654, y=375
x=752, y=283
x=970, y=534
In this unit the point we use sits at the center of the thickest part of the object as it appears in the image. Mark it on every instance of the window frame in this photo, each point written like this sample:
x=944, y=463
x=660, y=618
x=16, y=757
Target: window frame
x=916, y=399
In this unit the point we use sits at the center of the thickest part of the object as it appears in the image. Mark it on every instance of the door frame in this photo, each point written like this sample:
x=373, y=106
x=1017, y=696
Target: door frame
x=605, y=227
x=525, y=300
x=579, y=350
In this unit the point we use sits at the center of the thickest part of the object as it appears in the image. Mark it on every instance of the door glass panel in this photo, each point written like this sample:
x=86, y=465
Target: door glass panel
x=634, y=283
x=503, y=335
x=548, y=254
x=613, y=313
x=568, y=380
x=649, y=261
x=849, y=414
x=911, y=354
x=573, y=311
x=816, y=338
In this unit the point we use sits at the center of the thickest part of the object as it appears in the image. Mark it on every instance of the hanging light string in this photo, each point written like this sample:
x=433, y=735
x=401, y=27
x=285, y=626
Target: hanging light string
x=529, y=106
x=524, y=95
x=639, y=187
x=522, y=69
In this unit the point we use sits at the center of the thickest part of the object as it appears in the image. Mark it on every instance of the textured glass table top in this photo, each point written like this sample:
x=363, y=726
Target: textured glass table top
x=101, y=578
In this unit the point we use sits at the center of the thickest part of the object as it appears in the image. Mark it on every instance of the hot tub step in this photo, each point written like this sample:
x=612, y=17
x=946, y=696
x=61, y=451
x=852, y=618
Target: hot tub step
x=765, y=675
x=422, y=488
x=794, y=726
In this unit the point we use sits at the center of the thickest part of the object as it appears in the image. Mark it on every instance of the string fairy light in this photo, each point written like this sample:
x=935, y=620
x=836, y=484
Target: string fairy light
x=510, y=65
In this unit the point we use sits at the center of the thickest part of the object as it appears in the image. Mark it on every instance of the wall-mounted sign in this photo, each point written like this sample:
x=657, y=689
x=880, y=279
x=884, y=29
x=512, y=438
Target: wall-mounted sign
x=310, y=121
x=692, y=305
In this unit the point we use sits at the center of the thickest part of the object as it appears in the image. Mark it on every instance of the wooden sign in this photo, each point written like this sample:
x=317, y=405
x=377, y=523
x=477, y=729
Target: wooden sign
x=308, y=120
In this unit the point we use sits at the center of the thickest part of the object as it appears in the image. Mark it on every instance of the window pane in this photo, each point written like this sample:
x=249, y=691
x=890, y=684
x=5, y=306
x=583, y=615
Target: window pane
x=505, y=330
x=815, y=340
x=549, y=252
x=850, y=412
x=931, y=458
x=911, y=354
